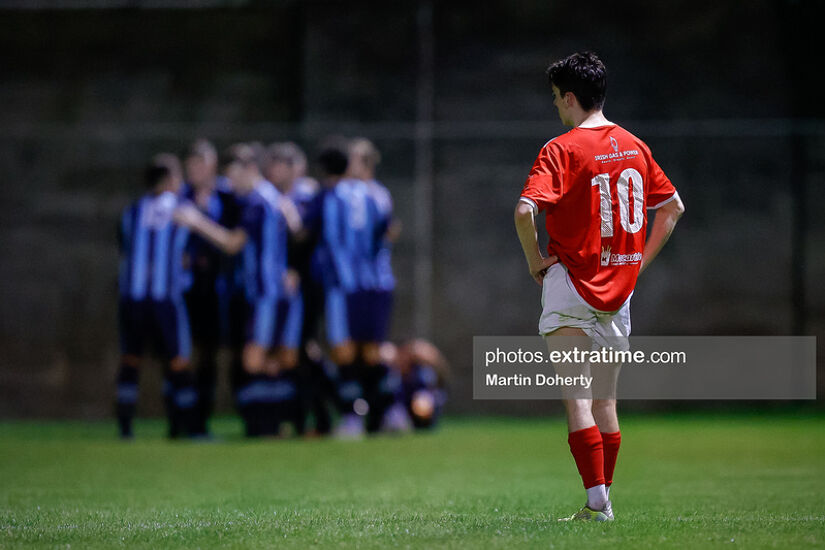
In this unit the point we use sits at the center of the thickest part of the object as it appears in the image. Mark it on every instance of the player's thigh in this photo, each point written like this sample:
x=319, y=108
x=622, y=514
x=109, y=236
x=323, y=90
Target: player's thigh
x=381, y=302
x=204, y=318
x=238, y=313
x=290, y=322
x=288, y=331
x=567, y=348
x=262, y=321
x=337, y=317
x=359, y=316
x=172, y=332
x=611, y=332
x=134, y=325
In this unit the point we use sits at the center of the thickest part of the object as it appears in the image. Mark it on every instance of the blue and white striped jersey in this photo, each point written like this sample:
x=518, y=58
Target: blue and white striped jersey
x=348, y=246
x=152, y=249
x=385, y=280
x=265, y=252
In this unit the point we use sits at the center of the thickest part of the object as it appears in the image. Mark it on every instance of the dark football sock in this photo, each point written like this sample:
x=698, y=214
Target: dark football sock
x=126, y=399
x=169, y=404
x=206, y=378
x=384, y=386
x=323, y=394
x=290, y=406
x=268, y=410
x=185, y=401
x=349, y=387
x=248, y=402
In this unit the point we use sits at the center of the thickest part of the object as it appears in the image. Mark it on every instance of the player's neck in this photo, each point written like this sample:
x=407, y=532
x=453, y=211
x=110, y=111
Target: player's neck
x=592, y=119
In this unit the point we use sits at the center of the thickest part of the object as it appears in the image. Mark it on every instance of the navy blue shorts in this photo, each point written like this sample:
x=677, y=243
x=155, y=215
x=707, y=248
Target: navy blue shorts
x=377, y=312
x=273, y=322
x=162, y=324
x=360, y=316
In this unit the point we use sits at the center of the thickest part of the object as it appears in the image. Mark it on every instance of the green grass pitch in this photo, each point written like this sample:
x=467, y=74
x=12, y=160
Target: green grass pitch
x=683, y=481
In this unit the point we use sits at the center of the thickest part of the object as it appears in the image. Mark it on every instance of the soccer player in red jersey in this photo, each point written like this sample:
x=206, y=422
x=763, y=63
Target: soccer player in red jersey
x=595, y=184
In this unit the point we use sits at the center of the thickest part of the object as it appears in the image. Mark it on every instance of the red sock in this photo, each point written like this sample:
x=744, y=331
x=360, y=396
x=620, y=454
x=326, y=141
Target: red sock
x=586, y=446
x=610, y=442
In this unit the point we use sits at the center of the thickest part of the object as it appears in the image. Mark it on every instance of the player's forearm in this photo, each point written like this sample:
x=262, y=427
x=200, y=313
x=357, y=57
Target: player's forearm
x=229, y=241
x=663, y=226
x=527, y=235
x=292, y=217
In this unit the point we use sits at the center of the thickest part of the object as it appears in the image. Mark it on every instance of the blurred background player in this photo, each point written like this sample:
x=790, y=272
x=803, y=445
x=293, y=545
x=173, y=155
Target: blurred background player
x=207, y=299
x=285, y=167
x=152, y=309
x=374, y=299
x=333, y=265
x=273, y=312
x=424, y=372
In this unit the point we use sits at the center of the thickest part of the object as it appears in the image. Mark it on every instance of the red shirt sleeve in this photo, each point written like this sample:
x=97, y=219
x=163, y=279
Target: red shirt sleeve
x=659, y=188
x=545, y=184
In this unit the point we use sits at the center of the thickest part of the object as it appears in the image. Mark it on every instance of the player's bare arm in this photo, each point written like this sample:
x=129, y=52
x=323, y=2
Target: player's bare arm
x=663, y=225
x=292, y=217
x=230, y=241
x=537, y=264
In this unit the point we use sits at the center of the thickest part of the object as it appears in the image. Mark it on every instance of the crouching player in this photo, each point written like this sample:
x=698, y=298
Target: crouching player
x=267, y=393
x=424, y=372
x=151, y=298
x=595, y=183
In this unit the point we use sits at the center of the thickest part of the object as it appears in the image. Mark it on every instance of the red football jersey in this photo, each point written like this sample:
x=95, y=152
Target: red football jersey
x=595, y=185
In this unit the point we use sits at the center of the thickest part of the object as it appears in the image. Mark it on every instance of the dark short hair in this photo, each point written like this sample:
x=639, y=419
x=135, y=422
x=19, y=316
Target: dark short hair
x=582, y=73
x=333, y=160
x=241, y=153
x=159, y=168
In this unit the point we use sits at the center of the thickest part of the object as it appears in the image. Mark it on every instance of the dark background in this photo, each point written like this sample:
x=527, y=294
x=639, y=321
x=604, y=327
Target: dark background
x=726, y=94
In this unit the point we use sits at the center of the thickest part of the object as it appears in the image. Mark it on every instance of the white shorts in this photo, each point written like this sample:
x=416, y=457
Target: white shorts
x=563, y=307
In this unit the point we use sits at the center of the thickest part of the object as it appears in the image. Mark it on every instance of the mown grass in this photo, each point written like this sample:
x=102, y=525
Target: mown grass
x=683, y=481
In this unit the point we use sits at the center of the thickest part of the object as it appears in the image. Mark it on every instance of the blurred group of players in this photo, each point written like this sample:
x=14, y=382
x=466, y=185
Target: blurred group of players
x=290, y=274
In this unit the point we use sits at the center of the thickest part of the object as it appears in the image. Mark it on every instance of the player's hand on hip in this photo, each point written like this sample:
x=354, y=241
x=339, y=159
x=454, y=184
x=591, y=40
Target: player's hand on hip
x=538, y=269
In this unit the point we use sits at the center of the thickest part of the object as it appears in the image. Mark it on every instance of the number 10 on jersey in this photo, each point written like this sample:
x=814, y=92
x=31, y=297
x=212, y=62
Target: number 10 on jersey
x=630, y=177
